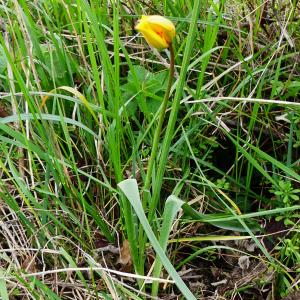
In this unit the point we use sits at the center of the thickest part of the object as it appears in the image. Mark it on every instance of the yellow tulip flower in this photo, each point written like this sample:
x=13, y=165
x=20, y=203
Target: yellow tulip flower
x=157, y=30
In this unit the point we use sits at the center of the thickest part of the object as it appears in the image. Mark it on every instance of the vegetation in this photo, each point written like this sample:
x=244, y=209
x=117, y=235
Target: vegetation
x=81, y=92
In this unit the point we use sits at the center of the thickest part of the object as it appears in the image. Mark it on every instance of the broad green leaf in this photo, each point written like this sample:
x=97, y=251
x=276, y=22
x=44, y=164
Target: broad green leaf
x=130, y=188
x=172, y=207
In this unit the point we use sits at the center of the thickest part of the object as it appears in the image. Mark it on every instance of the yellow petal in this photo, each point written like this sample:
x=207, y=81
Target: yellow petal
x=152, y=37
x=164, y=24
x=157, y=30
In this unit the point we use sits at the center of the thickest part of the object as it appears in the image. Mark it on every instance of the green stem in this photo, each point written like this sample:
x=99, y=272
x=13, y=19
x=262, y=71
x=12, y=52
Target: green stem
x=174, y=111
x=157, y=133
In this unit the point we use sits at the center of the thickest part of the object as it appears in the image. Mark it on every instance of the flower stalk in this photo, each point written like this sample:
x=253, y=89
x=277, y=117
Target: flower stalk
x=158, y=129
x=159, y=32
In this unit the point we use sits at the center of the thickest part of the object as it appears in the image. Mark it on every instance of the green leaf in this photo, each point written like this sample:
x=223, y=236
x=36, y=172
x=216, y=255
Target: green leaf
x=3, y=60
x=144, y=90
x=172, y=207
x=3, y=288
x=48, y=117
x=130, y=188
x=219, y=220
x=50, y=294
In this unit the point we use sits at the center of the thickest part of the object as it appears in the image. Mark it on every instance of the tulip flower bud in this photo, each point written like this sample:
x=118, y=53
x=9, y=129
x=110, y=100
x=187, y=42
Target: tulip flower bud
x=157, y=30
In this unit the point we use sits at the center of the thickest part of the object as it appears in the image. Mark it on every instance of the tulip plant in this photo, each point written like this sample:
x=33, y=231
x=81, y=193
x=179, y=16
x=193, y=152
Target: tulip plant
x=159, y=33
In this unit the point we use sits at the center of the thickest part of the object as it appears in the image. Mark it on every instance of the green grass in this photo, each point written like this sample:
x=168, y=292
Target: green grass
x=81, y=94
